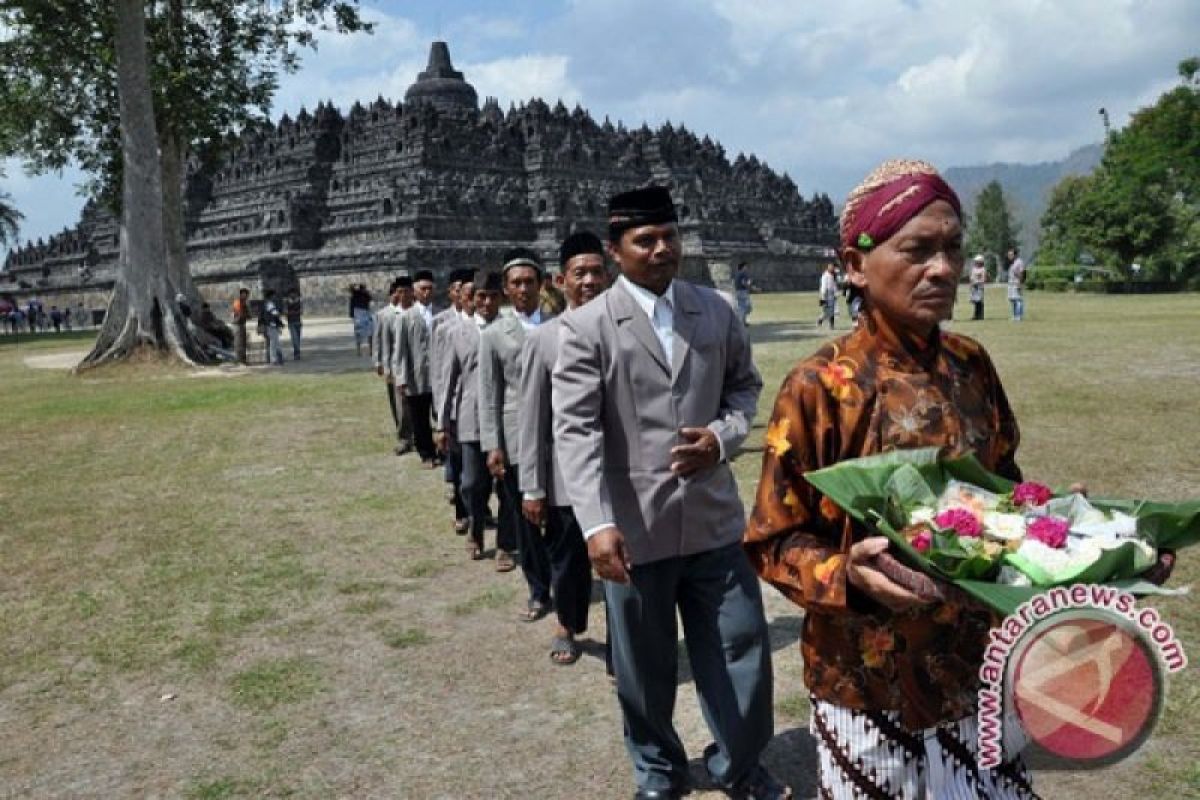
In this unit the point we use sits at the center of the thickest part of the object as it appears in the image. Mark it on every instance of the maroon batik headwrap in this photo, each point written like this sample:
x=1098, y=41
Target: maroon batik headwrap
x=887, y=209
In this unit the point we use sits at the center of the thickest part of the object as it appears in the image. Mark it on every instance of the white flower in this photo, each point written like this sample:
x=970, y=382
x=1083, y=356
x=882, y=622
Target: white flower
x=1059, y=564
x=922, y=515
x=1006, y=527
x=1118, y=526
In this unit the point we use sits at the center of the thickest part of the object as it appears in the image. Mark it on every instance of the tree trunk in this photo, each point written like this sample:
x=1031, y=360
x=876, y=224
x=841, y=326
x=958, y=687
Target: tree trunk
x=171, y=154
x=142, y=312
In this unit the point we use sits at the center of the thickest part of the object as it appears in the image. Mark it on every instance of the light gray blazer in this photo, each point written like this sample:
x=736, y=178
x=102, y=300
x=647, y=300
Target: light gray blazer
x=500, y=384
x=618, y=407
x=410, y=353
x=539, y=470
x=382, y=336
x=438, y=347
x=460, y=396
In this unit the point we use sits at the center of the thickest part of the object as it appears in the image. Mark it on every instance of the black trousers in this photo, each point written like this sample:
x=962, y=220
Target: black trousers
x=476, y=488
x=421, y=406
x=535, y=563
x=570, y=570
x=453, y=475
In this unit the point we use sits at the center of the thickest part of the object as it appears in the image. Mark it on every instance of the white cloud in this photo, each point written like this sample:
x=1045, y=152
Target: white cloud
x=820, y=90
x=360, y=66
x=523, y=77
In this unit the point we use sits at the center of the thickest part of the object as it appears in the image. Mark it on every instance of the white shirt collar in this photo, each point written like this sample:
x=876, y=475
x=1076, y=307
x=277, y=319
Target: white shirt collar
x=646, y=298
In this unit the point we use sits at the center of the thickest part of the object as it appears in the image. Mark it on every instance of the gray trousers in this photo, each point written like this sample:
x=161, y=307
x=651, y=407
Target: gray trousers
x=718, y=598
x=401, y=414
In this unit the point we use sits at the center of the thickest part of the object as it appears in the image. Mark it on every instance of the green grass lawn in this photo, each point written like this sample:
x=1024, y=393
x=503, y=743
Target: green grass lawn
x=218, y=586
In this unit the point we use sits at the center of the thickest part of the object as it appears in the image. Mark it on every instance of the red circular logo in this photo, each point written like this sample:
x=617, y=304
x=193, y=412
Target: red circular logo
x=1086, y=686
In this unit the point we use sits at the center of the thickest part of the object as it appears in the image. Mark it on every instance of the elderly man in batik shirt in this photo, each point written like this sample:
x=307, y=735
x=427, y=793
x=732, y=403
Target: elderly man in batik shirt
x=893, y=677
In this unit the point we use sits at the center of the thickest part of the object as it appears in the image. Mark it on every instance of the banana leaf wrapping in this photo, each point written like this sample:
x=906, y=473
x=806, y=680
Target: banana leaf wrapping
x=880, y=490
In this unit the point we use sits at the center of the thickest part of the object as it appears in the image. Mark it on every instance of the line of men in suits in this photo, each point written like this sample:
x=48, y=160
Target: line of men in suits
x=607, y=433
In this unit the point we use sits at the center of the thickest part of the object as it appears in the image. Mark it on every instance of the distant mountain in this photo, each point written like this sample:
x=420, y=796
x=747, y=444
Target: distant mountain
x=1027, y=186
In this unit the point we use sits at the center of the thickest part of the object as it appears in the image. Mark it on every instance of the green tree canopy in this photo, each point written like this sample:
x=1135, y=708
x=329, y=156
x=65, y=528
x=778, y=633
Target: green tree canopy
x=1143, y=202
x=214, y=65
x=992, y=229
x=10, y=217
x=210, y=66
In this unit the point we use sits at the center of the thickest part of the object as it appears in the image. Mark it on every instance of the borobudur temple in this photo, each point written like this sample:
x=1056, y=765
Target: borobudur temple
x=326, y=199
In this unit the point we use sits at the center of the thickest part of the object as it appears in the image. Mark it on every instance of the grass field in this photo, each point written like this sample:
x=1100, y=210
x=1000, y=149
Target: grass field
x=223, y=584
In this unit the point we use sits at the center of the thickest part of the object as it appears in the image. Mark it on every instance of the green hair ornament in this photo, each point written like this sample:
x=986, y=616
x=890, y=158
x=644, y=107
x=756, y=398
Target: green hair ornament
x=865, y=242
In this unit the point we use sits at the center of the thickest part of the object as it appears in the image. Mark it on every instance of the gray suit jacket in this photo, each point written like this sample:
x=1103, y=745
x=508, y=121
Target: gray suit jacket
x=618, y=407
x=439, y=345
x=500, y=384
x=410, y=353
x=383, y=336
x=539, y=470
x=460, y=396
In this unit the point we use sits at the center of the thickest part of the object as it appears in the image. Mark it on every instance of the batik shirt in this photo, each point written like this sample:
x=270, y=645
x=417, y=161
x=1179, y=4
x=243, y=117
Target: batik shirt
x=869, y=392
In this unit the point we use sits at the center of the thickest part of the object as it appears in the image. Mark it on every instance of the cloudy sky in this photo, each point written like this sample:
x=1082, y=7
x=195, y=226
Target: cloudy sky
x=821, y=89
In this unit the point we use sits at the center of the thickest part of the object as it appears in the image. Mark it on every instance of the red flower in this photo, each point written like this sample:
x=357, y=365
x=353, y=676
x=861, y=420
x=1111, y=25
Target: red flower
x=1050, y=531
x=962, y=521
x=922, y=542
x=1031, y=493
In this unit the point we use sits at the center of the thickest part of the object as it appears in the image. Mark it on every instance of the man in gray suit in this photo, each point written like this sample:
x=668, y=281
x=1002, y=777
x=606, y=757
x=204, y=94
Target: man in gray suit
x=546, y=505
x=410, y=364
x=382, y=344
x=458, y=418
x=443, y=323
x=499, y=422
x=654, y=390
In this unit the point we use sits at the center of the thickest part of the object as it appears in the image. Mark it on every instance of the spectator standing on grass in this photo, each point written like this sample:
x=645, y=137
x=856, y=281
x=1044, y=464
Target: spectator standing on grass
x=360, y=313
x=241, y=317
x=742, y=285
x=270, y=323
x=56, y=319
x=1016, y=285
x=978, y=282
x=827, y=292
x=293, y=309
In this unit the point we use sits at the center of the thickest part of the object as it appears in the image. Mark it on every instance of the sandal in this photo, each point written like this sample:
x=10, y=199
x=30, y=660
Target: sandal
x=505, y=562
x=534, y=611
x=475, y=550
x=564, y=651
x=460, y=526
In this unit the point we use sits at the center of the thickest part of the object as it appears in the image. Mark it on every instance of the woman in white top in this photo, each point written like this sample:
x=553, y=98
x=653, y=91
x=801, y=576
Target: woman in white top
x=827, y=293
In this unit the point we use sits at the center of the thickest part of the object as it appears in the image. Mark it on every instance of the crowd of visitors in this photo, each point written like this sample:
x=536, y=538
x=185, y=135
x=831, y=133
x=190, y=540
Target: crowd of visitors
x=36, y=317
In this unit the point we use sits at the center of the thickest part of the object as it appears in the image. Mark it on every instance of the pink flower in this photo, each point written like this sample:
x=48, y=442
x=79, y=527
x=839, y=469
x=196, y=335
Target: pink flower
x=922, y=542
x=1050, y=531
x=962, y=521
x=1031, y=493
